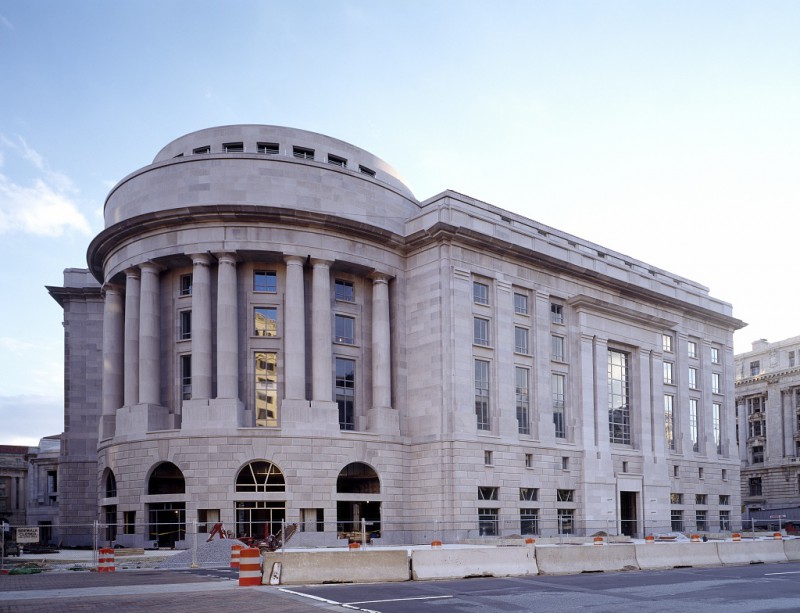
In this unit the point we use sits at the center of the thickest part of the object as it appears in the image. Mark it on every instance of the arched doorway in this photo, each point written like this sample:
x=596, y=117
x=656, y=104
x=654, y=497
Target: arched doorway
x=167, y=520
x=260, y=518
x=357, y=487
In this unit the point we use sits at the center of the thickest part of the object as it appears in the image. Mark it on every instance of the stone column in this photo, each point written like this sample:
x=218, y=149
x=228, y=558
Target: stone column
x=113, y=335
x=321, y=365
x=294, y=347
x=381, y=343
x=227, y=328
x=131, y=343
x=201, y=327
x=150, y=336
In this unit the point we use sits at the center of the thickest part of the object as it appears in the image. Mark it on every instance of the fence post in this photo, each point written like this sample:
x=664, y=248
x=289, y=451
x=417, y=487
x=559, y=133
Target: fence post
x=94, y=543
x=753, y=527
x=283, y=535
x=363, y=532
x=194, y=546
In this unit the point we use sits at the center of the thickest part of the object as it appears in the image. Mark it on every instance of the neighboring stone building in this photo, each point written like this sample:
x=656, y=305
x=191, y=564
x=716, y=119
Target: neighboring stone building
x=284, y=332
x=13, y=484
x=768, y=410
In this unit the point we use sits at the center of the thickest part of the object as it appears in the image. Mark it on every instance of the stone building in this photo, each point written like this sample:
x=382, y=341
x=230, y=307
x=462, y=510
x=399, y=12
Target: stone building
x=768, y=411
x=13, y=484
x=273, y=328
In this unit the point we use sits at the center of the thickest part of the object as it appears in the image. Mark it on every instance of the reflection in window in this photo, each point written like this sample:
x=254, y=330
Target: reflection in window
x=619, y=410
x=345, y=329
x=521, y=376
x=346, y=392
x=265, y=281
x=260, y=476
x=186, y=377
x=266, y=388
x=344, y=290
x=266, y=321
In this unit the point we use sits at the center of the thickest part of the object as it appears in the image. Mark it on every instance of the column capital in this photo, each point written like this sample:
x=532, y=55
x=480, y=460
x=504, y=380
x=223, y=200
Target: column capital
x=380, y=277
x=321, y=262
x=228, y=257
x=201, y=259
x=133, y=272
x=111, y=288
x=150, y=266
x=295, y=259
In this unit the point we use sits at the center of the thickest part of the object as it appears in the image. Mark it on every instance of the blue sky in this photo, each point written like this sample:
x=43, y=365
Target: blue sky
x=667, y=131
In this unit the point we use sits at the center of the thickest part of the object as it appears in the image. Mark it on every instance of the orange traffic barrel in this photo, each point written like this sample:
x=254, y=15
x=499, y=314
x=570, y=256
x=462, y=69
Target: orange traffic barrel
x=105, y=562
x=249, y=567
x=235, y=550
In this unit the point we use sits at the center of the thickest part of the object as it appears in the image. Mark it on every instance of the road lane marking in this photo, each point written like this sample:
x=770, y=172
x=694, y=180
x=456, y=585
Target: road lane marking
x=794, y=572
x=400, y=599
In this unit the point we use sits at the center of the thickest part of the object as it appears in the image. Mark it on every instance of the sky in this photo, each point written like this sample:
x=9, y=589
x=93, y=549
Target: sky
x=668, y=131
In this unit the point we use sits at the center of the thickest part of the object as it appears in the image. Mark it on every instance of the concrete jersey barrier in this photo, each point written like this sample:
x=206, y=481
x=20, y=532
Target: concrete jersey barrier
x=747, y=552
x=565, y=560
x=670, y=555
x=428, y=564
x=297, y=567
x=791, y=547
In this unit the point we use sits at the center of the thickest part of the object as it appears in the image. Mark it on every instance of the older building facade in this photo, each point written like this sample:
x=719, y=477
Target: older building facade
x=768, y=410
x=272, y=328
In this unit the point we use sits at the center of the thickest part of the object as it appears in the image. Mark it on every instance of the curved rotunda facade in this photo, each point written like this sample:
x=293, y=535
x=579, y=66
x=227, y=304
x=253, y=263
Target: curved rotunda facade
x=272, y=328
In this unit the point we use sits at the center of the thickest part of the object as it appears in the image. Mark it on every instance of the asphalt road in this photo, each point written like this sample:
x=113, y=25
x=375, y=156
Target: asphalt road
x=731, y=589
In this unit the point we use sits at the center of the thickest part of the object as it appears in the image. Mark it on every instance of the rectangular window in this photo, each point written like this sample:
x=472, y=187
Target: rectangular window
x=487, y=458
x=700, y=472
x=666, y=343
x=755, y=367
x=558, y=384
x=488, y=522
x=714, y=355
x=716, y=411
x=265, y=321
x=677, y=520
x=265, y=281
x=520, y=304
x=692, y=349
x=700, y=499
x=520, y=339
x=701, y=520
x=268, y=148
x=619, y=410
x=303, y=153
x=528, y=460
x=692, y=378
x=186, y=285
x=754, y=486
x=528, y=494
x=344, y=290
x=676, y=471
x=344, y=329
x=755, y=405
x=337, y=161
x=715, y=383
x=724, y=521
x=487, y=493
x=528, y=521
x=668, y=373
x=758, y=454
x=367, y=171
x=186, y=377
x=565, y=495
x=557, y=344
x=724, y=499
x=346, y=392
x=676, y=498
x=566, y=521
x=724, y=474
x=482, y=394
x=757, y=428
x=480, y=329
x=693, y=432
x=186, y=325
x=521, y=377
x=233, y=147
x=556, y=313
x=565, y=464
x=266, y=388
x=201, y=150
x=129, y=522
x=669, y=421
x=480, y=293
x=791, y=359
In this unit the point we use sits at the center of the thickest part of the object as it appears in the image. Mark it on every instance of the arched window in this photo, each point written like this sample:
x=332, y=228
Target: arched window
x=260, y=476
x=111, y=484
x=358, y=478
x=166, y=478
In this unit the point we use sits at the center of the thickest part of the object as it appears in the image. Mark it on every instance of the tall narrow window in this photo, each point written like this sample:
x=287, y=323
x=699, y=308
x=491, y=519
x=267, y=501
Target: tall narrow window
x=692, y=378
x=480, y=328
x=715, y=382
x=668, y=373
x=520, y=304
x=186, y=377
x=482, y=394
x=265, y=281
x=345, y=392
x=692, y=349
x=521, y=376
x=556, y=313
x=344, y=290
x=619, y=412
x=520, y=339
x=669, y=421
x=186, y=325
x=716, y=410
x=266, y=321
x=557, y=345
x=557, y=383
x=266, y=389
x=714, y=355
x=755, y=368
x=693, y=432
x=345, y=329
x=186, y=285
x=666, y=343
x=480, y=293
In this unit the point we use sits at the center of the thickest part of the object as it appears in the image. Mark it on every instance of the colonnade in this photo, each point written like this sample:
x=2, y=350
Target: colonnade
x=132, y=341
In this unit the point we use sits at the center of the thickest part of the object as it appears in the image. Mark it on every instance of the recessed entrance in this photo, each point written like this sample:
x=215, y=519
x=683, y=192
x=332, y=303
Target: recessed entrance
x=627, y=513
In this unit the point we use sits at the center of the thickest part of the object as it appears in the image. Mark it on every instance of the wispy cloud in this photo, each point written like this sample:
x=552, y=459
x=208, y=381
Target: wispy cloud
x=26, y=419
x=46, y=207
x=6, y=22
